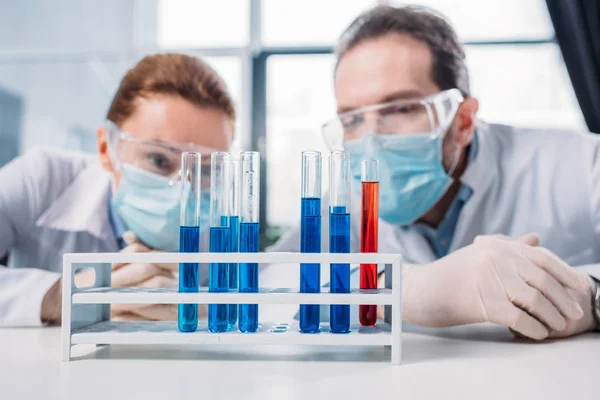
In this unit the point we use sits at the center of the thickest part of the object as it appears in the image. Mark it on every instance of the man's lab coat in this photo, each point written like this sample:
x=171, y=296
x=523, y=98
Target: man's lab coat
x=523, y=180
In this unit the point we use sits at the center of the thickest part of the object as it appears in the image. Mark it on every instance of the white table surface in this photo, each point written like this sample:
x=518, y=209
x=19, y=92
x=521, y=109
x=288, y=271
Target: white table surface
x=471, y=362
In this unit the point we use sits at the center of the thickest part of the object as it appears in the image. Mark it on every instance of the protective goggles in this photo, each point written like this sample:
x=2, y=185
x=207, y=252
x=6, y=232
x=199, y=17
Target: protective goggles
x=155, y=156
x=431, y=116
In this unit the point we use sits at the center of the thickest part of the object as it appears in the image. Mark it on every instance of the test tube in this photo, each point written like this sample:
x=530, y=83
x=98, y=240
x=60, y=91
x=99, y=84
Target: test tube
x=234, y=233
x=368, y=234
x=339, y=235
x=218, y=273
x=189, y=237
x=310, y=237
x=249, y=237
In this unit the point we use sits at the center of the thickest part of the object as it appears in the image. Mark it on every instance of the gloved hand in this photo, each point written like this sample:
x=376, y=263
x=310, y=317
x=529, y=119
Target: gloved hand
x=495, y=280
x=143, y=275
x=139, y=275
x=587, y=322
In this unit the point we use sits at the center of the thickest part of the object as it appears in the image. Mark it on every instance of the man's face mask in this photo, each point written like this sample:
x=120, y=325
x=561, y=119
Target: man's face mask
x=149, y=194
x=406, y=137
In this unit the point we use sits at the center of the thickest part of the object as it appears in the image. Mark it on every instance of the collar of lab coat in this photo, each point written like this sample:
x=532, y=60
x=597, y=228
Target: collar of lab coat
x=480, y=174
x=481, y=170
x=82, y=207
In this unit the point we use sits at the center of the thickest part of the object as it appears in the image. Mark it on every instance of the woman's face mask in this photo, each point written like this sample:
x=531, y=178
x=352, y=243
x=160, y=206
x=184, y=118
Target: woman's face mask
x=150, y=207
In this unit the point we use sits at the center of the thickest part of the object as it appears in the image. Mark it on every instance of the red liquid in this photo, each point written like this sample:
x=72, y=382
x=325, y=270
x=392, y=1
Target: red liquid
x=367, y=314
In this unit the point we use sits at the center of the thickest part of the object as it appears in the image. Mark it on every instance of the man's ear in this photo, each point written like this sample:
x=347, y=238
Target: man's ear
x=463, y=125
x=102, y=142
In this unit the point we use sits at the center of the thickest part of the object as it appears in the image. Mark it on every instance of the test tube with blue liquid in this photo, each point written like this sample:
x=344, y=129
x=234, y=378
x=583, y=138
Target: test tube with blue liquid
x=310, y=237
x=218, y=273
x=234, y=233
x=339, y=235
x=189, y=237
x=249, y=237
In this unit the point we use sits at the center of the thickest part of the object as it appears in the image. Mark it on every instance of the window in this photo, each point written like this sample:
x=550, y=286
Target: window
x=230, y=69
x=299, y=100
x=202, y=23
x=279, y=72
x=533, y=89
x=476, y=20
x=308, y=22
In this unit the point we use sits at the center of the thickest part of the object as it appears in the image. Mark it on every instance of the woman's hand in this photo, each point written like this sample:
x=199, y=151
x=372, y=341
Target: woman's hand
x=143, y=275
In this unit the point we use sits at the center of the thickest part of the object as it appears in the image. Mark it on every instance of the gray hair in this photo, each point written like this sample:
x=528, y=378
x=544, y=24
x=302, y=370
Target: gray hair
x=424, y=24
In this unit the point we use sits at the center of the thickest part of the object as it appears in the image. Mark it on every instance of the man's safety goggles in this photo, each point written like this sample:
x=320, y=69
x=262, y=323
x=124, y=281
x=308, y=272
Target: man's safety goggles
x=159, y=157
x=431, y=115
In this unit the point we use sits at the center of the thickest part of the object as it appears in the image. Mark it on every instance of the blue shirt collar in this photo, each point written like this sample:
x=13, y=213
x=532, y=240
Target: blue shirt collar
x=441, y=237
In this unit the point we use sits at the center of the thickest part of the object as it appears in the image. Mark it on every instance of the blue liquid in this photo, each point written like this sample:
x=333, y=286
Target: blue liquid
x=234, y=247
x=218, y=279
x=249, y=239
x=189, y=242
x=339, y=242
x=310, y=274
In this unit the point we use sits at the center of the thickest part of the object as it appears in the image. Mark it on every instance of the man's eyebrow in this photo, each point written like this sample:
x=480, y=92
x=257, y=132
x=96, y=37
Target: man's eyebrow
x=403, y=95
x=398, y=95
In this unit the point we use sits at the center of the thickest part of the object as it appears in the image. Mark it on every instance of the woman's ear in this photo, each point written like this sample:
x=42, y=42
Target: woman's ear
x=102, y=140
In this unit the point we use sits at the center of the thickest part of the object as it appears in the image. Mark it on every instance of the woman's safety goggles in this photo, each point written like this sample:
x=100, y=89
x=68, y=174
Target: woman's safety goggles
x=155, y=156
x=431, y=115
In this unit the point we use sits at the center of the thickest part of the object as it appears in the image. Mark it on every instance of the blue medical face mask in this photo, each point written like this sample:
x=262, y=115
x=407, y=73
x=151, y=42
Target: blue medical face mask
x=411, y=175
x=149, y=206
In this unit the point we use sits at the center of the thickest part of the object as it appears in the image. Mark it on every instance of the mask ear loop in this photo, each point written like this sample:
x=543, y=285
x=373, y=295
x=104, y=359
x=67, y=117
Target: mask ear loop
x=111, y=130
x=456, y=157
x=454, y=164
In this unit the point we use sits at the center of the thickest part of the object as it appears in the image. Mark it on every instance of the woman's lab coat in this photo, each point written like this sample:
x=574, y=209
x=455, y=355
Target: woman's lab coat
x=523, y=180
x=51, y=202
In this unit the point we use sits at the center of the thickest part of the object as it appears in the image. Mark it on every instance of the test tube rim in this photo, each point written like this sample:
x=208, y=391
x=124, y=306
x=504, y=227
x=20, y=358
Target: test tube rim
x=224, y=158
x=343, y=157
x=197, y=160
x=363, y=169
x=309, y=157
x=250, y=166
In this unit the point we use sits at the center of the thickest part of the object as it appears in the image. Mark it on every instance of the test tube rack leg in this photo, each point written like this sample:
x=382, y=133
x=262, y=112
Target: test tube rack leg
x=86, y=311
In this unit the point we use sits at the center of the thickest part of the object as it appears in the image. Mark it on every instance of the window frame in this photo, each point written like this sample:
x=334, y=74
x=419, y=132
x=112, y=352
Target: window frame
x=253, y=57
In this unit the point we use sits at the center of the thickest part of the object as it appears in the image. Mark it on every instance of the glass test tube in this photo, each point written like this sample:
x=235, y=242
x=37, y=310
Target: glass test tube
x=339, y=235
x=249, y=237
x=234, y=233
x=368, y=234
x=189, y=237
x=310, y=237
x=218, y=273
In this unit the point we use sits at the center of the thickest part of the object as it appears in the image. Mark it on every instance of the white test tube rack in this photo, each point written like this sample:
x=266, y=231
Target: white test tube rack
x=86, y=311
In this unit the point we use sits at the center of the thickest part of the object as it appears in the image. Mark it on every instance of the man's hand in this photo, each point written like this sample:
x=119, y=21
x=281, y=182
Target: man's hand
x=588, y=322
x=531, y=239
x=496, y=280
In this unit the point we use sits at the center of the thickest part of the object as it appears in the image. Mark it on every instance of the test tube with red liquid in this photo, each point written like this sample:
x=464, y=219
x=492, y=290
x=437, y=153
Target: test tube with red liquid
x=368, y=234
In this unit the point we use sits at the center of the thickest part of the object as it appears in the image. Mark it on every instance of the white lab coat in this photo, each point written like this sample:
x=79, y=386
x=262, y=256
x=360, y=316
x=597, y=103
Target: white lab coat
x=54, y=202
x=51, y=202
x=523, y=180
